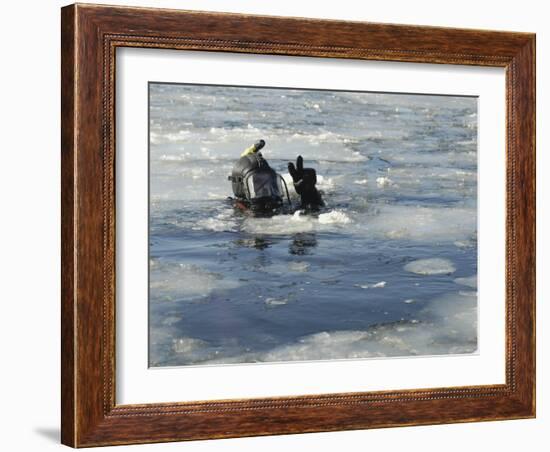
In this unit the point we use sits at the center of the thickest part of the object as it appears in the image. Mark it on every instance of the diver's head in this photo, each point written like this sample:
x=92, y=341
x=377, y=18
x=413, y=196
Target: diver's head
x=255, y=183
x=245, y=169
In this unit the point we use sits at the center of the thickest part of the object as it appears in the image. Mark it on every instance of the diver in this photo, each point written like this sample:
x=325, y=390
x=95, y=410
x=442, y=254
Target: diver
x=260, y=189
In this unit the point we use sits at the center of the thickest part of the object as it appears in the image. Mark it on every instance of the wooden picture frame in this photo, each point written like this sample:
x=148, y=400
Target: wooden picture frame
x=90, y=36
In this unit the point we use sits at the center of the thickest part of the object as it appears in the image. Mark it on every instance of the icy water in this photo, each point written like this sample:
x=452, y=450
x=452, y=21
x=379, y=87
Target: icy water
x=387, y=269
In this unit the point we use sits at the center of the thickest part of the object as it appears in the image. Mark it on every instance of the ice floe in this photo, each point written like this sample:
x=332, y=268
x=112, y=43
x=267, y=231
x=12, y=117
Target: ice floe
x=470, y=281
x=172, y=281
x=431, y=266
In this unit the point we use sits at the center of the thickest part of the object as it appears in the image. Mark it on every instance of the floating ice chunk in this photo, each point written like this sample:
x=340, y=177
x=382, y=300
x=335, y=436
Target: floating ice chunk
x=279, y=224
x=397, y=233
x=211, y=195
x=447, y=325
x=360, y=182
x=178, y=281
x=298, y=266
x=296, y=223
x=433, y=224
x=325, y=183
x=432, y=266
x=275, y=301
x=377, y=285
x=409, y=301
x=215, y=224
x=187, y=344
x=334, y=217
x=470, y=281
x=384, y=181
x=463, y=244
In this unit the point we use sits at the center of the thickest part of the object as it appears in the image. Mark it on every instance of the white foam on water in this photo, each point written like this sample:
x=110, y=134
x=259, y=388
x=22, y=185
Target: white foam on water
x=431, y=266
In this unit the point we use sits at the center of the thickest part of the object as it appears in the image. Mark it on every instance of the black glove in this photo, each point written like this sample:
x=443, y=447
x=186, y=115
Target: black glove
x=304, y=184
x=259, y=145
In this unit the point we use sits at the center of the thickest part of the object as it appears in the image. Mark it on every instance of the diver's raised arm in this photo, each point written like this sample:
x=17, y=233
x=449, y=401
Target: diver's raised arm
x=254, y=148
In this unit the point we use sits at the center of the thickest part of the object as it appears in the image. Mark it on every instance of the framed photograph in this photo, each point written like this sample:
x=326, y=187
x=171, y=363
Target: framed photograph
x=281, y=225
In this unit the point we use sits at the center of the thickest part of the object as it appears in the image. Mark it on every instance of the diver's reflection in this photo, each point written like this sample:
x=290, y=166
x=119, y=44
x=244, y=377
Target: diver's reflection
x=303, y=243
x=259, y=243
